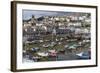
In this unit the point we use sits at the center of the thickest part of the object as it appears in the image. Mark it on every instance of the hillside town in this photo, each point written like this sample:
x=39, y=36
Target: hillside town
x=57, y=38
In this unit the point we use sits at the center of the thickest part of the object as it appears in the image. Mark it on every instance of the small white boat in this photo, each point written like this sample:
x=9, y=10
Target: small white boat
x=42, y=54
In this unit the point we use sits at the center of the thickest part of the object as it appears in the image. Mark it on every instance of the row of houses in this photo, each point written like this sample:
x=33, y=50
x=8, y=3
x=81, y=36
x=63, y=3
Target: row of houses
x=56, y=25
x=60, y=20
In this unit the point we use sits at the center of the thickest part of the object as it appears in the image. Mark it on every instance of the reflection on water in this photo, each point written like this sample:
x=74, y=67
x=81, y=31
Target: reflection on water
x=59, y=57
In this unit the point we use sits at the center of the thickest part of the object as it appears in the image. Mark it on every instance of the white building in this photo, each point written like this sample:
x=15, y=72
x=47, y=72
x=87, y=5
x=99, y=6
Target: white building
x=74, y=24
